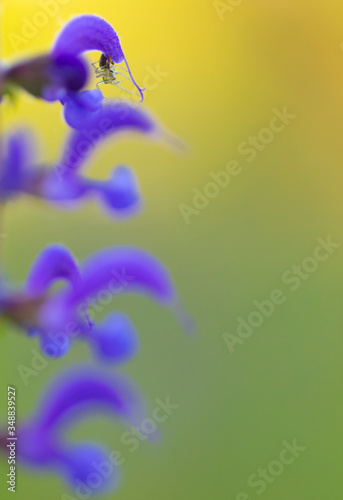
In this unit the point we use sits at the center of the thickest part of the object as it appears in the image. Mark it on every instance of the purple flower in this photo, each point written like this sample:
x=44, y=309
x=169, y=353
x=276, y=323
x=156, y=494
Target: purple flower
x=89, y=32
x=62, y=184
x=108, y=120
x=48, y=77
x=78, y=393
x=59, y=317
x=119, y=194
x=62, y=73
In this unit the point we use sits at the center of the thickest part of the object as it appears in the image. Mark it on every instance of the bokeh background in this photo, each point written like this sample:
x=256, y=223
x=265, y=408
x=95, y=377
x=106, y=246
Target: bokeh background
x=225, y=69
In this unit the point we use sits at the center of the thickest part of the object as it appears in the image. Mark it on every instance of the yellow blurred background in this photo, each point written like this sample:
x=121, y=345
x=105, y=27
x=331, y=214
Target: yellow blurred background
x=225, y=67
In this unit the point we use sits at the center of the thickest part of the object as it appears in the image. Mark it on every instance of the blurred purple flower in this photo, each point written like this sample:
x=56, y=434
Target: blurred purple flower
x=62, y=184
x=48, y=77
x=93, y=128
x=78, y=393
x=60, y=316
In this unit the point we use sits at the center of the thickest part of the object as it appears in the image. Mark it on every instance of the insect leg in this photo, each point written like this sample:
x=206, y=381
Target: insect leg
x=125, y=90
x=95, y=63
x=125, y=76
x=120, y=67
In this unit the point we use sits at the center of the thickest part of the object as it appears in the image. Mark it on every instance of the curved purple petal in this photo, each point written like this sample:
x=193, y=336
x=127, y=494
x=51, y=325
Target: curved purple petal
x=124, y=270
x=80, y=392
x=53, y=263
x=76, y=394
x=115, y=270
x=111, y=119
x=89, y=32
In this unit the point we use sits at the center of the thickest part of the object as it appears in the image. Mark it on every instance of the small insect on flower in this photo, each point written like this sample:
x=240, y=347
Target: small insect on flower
x=108, y=71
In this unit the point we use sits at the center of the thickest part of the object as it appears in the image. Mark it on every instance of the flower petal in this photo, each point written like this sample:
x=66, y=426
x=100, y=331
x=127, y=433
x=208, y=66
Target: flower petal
x=49, y=77
x=84, y=391
x=115, y=270
x=81, y=462
x=77, y=393
x=53, y=263
x=89, y=32
x=120, y=193
x=116, y=340
x=124, y=270
x=111, y=119
x=13, y=172
x=79, y=106
x=51, y=345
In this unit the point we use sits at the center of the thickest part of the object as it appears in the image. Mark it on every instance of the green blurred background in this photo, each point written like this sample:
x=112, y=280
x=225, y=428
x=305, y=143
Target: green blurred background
x=225, y=69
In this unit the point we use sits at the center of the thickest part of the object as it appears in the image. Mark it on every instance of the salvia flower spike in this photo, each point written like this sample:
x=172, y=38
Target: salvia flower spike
x=57, y=316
